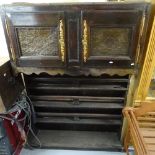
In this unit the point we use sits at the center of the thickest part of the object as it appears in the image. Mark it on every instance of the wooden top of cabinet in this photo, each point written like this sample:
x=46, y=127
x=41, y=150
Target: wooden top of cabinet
x=80, y=38
x=18, y=7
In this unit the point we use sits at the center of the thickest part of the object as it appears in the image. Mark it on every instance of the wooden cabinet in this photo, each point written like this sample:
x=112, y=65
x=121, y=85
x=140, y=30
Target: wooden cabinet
x=38, y=38
x=76, y=36
x=110, y=37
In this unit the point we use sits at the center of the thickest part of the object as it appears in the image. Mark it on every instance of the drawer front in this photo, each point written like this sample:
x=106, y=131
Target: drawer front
x=110, y=37
x=38, y=38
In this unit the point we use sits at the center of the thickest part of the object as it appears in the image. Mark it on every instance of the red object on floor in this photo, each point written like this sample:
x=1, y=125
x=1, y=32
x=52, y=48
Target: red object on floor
x=14, y=134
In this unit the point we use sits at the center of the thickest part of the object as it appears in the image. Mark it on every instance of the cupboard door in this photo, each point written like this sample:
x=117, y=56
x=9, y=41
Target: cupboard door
x=38, y=39
x=110, y=37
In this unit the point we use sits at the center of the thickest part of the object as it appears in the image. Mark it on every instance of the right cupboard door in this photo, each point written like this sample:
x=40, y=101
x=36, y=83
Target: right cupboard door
x=110, y=37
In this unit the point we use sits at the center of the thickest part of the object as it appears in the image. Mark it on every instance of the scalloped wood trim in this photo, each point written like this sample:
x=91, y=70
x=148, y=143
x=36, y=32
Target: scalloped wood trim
x=86, y=72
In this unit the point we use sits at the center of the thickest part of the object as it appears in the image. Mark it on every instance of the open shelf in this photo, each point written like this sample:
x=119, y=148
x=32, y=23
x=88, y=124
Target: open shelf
x=83, y=140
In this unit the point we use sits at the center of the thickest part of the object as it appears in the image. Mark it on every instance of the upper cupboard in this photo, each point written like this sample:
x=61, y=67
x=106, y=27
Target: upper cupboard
x=81, y=35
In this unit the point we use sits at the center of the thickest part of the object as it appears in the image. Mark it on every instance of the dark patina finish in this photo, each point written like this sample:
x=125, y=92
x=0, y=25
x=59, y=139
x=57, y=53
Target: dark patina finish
x=77, y=60
x=115, y=32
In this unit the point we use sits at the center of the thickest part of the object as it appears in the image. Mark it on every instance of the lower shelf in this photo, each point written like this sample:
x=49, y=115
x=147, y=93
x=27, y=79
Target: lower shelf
x=83, y=140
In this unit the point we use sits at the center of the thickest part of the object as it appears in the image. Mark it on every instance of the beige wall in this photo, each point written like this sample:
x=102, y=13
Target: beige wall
x=3, y=47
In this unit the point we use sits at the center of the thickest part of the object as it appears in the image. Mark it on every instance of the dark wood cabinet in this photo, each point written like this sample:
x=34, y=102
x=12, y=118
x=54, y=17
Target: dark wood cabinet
x=79, y=68
x=38, y=38
x=81, y=36
x=110, y=37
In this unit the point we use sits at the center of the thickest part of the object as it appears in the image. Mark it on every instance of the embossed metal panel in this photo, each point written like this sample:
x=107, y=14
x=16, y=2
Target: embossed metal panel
x=110, y=37
x=109, y=41
x=38, y=41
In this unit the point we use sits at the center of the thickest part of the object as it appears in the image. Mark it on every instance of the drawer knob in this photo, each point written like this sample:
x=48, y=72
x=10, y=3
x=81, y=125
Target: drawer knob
x=76, y=102
x=111, y=62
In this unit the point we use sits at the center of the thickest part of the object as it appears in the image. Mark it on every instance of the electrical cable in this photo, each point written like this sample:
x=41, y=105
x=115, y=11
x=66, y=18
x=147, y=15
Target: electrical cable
x=29, y=124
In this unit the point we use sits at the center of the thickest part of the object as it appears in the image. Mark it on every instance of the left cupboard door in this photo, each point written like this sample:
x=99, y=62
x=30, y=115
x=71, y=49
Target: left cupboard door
x=37, y=39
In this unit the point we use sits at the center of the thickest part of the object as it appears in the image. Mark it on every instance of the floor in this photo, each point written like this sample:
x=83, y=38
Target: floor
x=78, y=140
x=60, y=144
x=67, y=152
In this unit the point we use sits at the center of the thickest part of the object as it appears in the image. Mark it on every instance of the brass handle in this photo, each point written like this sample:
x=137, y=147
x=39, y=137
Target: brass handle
x=62, y=40
x=85, y=40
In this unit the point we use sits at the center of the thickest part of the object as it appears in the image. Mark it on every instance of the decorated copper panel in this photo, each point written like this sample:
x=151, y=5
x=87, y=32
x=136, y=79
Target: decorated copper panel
x=109, y=41
x=38, y=41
